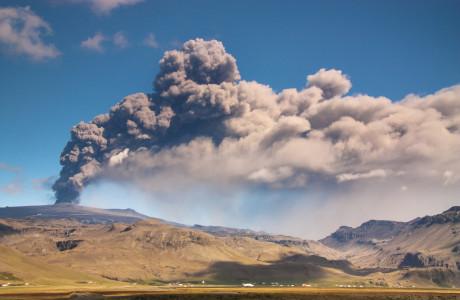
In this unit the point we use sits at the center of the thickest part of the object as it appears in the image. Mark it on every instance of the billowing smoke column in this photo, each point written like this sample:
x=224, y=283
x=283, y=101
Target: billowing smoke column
x=203, y=124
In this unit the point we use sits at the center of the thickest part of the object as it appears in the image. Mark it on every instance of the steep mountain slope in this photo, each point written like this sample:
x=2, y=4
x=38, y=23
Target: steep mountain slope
x=431, y=241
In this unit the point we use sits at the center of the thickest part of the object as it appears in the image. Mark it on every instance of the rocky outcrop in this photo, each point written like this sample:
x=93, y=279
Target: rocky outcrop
x=6, y=230
x=366, y=233
x=440, y=276
x=420, y=260
x=67, y=245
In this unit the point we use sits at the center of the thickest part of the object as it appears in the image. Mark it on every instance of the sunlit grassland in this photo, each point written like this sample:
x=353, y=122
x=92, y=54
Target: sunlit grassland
x=220, y=292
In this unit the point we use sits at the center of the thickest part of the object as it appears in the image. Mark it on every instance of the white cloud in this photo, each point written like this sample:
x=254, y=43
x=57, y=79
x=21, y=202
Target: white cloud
x=271, y=175
x=106, y=6
x=119, y=39
x=11, y=168
x=94, y=43
x=118, y=158
x=21, y=32
x=15, y=187
x=450, y=177
x=370, y=174
x=151, y=41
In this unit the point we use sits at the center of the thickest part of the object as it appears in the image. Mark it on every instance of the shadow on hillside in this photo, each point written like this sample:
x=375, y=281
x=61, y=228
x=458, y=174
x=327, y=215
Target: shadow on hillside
x=289, y=268
x=342, y=265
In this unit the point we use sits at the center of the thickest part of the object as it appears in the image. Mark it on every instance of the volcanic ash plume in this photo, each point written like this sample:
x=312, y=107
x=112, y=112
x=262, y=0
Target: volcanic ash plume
x=203, y=124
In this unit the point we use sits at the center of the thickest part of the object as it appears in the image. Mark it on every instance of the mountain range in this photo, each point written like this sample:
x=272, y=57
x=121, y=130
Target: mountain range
x=122, y=245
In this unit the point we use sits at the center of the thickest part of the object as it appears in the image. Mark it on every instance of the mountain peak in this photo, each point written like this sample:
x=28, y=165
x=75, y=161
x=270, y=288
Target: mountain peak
x=453, y=209
x=452, y=215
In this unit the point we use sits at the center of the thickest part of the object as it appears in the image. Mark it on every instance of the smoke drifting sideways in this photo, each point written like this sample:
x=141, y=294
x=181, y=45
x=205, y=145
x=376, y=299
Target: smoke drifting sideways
x=203, y=124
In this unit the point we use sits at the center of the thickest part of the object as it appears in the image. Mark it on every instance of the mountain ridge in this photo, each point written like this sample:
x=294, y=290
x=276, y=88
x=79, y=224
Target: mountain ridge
x=151, y=249
x=429, y=241
x=84, y=214
x=125, y=245
x=95, y=216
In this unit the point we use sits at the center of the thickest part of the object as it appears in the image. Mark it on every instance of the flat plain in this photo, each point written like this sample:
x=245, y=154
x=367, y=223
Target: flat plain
x=219, y=292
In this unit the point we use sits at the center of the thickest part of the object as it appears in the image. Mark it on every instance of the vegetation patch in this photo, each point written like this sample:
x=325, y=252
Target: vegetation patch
x=147, y=282
x=8, y=276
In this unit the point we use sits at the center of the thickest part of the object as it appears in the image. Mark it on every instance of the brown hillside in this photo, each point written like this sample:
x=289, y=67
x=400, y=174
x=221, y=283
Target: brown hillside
x=150, y=249
x=34, y=271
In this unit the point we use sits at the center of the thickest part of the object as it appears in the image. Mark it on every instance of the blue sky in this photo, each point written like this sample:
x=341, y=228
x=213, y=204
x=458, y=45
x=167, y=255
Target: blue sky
x=387, y=48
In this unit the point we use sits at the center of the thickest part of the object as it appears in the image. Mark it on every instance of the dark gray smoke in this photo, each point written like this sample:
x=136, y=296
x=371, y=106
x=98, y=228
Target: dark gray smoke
x=203, y=124
x=194, y=83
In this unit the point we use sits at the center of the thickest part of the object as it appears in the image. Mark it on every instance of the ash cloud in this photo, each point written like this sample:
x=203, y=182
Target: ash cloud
x=332, y=83
x=203, y=124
